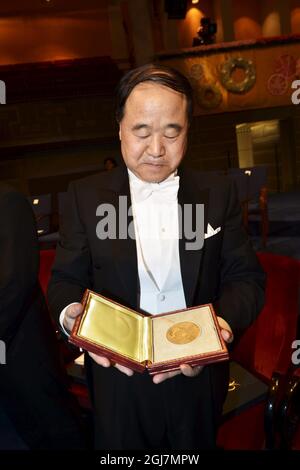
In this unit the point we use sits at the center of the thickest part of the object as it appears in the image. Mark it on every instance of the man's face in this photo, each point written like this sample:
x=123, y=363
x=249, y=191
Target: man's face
x=153, y=131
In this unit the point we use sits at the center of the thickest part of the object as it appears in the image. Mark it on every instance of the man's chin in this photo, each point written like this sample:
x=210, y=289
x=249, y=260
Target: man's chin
x=154, y=173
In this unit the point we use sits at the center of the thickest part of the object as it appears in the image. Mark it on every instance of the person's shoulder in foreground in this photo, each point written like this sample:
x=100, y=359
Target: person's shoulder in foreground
x=9, y=193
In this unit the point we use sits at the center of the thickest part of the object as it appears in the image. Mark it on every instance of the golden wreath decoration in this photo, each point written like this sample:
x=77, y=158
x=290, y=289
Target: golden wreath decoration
x=208, y=96
x=229, y=66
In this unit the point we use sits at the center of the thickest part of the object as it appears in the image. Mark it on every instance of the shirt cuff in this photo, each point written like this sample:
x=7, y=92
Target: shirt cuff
x=62, y=316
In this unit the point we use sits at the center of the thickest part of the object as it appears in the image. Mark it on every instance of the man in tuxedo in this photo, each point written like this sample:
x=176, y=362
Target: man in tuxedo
x=154, y=271
x=33, y=385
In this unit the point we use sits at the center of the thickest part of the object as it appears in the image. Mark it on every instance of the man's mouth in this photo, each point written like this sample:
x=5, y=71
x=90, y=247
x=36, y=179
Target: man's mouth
x=154, y=164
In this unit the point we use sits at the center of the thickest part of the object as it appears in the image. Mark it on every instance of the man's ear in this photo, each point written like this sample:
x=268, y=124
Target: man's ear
x=120, y=133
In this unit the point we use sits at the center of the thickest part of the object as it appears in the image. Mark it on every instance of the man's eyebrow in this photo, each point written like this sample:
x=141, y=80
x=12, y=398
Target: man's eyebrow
x=137, y=127
x=175, y=126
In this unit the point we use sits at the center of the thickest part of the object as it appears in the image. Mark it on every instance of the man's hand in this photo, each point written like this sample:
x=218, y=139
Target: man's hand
x=226, y=331
x=186, y=369
x=76, y=309
x=105, y=362
x=70, y=315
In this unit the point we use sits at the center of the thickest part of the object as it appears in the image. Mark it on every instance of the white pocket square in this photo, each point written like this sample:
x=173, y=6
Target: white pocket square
x=211, y=231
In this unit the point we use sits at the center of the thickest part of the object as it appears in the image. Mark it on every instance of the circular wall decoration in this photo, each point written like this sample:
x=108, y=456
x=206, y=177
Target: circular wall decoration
x=286, y=65
x=196, y=71
x=277, y=84
x=227, y=69
x=208, y=96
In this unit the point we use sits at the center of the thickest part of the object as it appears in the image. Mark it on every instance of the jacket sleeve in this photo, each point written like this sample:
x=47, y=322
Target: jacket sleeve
x=242, y=280
x=71, y=269
x=19, y=261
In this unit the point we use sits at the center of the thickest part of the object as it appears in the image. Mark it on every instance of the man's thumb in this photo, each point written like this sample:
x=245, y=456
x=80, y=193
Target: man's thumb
x=75, y=310
x=227, y=336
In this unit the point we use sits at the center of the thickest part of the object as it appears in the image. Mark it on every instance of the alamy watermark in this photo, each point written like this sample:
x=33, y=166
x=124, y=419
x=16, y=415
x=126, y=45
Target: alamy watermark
x=116, y=224
x=2, y=352
x=296, y=94
x=2, y=92
x=296, y=353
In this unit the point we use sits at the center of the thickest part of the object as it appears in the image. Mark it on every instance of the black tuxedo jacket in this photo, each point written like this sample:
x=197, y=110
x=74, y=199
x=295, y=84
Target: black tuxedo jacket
x=224, y=272
x=33, y=386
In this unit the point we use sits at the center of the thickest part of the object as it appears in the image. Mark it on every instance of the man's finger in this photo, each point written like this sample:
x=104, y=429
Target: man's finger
x=105, y=362
x=124, y=369
x=227, y=336
x=70, y=314
x=190, y=371
x=101, y=360
x=226, y=331
x=74, y=310
x=158, y=378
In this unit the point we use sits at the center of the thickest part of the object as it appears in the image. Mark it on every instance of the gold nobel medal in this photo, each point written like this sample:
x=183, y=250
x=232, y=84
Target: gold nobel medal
x=183, y=332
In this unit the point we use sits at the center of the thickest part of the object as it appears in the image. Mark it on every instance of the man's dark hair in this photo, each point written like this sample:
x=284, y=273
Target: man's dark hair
x=153, y=73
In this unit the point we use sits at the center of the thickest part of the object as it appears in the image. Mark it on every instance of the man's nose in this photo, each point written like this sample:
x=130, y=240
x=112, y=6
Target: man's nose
x=156, y=147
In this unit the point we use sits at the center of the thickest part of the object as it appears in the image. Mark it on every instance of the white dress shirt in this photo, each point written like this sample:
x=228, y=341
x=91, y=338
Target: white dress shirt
x=155, y=215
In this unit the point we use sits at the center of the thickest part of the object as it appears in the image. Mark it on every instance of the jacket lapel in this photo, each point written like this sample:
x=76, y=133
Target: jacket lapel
x=124, y=249
x=190, y=260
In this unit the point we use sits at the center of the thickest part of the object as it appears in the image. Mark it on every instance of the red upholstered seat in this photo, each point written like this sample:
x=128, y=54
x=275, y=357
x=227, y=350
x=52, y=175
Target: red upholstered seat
x=46, y=261
x=265, y=347
x=244, y=431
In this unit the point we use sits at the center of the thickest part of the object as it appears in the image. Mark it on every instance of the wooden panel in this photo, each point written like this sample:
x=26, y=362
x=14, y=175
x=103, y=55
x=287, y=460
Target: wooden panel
x=62, y=78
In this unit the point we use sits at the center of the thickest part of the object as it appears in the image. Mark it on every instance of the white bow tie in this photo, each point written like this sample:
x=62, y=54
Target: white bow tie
x=166, y=191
